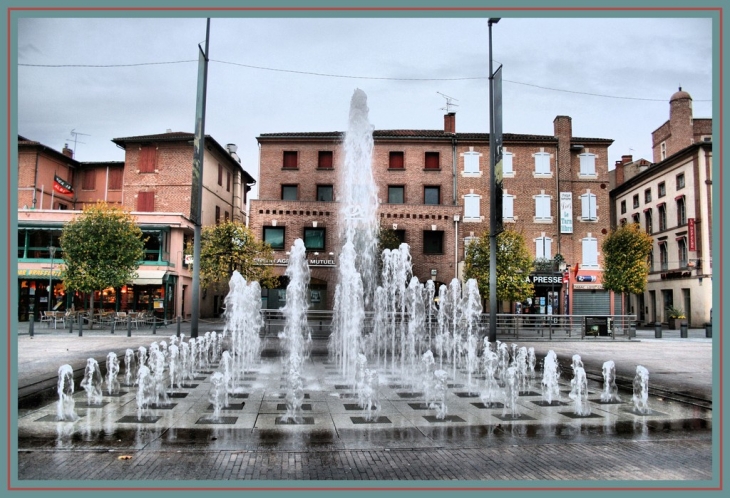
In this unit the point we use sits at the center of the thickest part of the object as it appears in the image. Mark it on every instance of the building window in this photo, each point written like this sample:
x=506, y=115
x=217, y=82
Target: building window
x=681, y=211
x=680, y=181
x=89, y=180
x=226, y=216
x=508, y=207
x=325, y=193
x=433, y=242
x=395, y=160
x=153, y=246
x=682, y=252
x=217, y=215
x=663, y=256
x=648, y=221
x=636, y=218
x=471, y=207
x=542, y=163
x=542, y=207
x=622, y=222
x=431, y=195
x=543, y=247
x=432, y=161
x=662, y=217
x=587, y=164
x=116, y=176
x=291, y=159
x=228, y=181
x=220, y=175
x=651, y=260
x=663, y=151
x=325, y=159
x=471, y=161
x=588, y=207
x=636, y=200
x=62, y=206
x=274, y=236
x=661, y=190
x=507, y=169
x=396, y=194
x=289, y=192
x=314, y=239
x=147, y=159
x=590, y=252
x=647, y=196
x=146, y=202
x=623, y=207
x=400, y=235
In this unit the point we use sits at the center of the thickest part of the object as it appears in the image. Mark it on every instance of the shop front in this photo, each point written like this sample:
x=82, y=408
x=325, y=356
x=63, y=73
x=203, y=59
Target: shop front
x=546, y=297
x=34, y=296
x=588, y=295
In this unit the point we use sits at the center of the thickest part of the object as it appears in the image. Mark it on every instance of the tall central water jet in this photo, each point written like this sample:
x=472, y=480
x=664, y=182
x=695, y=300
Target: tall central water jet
x=358, y=226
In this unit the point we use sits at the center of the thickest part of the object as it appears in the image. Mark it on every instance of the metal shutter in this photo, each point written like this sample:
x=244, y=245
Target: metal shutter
x=587, y=302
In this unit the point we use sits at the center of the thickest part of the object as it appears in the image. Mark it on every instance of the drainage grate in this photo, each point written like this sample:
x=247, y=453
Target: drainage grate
x=217, y=421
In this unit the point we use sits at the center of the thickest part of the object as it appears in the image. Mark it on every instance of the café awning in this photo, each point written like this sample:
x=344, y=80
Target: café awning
x=38, y=273
x=149, y=277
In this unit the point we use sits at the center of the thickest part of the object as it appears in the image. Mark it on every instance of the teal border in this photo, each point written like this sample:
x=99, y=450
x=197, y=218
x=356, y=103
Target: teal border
x=424, y=8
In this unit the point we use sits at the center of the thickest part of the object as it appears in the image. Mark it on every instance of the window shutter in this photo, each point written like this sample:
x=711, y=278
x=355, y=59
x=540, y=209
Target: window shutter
x=539, y=252
x=542, y=206
x=471, y=207
x=116, y=176
x=587, y=164
x=471, y=162
x=290, y=159
x=542, y=162
x=432, y=160
x=548, y=245
x=147, y=159
x=507, y=163
x=325, y=159
x=508, y=202
x=396, y=160
x=228, y=181
x=590, y=252
x=89, y=180
x=146, y=202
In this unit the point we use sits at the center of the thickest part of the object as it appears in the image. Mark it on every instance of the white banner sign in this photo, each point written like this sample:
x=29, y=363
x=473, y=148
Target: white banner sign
x=566, y=212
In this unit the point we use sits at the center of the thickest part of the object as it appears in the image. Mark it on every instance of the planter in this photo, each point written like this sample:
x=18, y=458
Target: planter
x=675, y=323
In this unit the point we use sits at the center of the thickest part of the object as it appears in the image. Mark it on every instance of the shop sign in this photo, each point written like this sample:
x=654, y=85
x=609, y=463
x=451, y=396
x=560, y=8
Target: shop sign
x=586, y=278
x=545, y=279
x=587, y=286
x=285, y=262
x=566, y=212
x=691, y=230
x=38, y=273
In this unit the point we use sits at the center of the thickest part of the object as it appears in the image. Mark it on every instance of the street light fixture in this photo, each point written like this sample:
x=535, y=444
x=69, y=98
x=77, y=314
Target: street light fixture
x=52, y=250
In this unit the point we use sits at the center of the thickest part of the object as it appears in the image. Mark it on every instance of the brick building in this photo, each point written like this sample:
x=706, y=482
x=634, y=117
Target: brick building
x=671, y=198
x=434, y=192
x=154, y=182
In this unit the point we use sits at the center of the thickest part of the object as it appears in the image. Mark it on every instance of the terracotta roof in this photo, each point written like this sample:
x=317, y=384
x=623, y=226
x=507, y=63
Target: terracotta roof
x=425, y=134
x=160, y=137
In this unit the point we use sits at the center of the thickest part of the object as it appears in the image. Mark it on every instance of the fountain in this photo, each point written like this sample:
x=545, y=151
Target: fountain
x=440, y=379
x=112, y=370
x=296, y=334
x=490, y=395
x=130, y=368
x=640, y=397
x=550, y=375
x=92, y=382
x=511, y=393
x=217, y=395
x=610, y=390
x=65, y=407
x=579, y=389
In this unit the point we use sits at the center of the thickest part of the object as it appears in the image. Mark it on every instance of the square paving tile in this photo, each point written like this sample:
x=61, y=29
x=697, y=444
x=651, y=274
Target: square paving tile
x=53, y=418
x=576, y=416
x=133, y=419
x=231, y=406
x=509, y=418
x=217, y=421
x=483, y=406
x=448, y=418
x=375, y=420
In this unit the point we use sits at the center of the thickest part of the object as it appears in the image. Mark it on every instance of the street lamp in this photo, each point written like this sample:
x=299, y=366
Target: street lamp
x=492, y=199
x=52, y=250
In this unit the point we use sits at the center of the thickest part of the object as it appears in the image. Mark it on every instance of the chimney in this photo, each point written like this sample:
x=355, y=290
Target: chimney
x=620, y=171
x=67, y=152
x=232, y=148
x=626, y=159
x=450, y=122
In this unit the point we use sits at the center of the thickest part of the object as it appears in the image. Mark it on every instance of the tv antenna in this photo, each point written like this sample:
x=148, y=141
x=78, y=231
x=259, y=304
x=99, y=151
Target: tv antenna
x=75, y=134
x=449, y=102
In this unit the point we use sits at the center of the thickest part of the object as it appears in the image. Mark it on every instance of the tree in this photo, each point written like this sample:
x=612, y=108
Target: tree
x=102, y=247
x=514, y=264
x=231, y=246
x=625, y=254
x=387, y=239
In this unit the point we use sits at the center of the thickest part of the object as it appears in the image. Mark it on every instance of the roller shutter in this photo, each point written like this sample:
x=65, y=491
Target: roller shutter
x=591, y=302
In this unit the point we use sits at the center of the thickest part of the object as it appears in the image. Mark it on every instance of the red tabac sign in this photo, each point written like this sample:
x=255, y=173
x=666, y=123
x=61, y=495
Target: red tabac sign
x=691, y=234
x=61, y=186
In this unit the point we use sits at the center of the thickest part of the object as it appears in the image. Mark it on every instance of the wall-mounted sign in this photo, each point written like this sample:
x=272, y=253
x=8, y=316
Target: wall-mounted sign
x=691, y=234
x=586, y=278
x=566, y=212
x=285, y=262
x=587, y=286
x=545, y=279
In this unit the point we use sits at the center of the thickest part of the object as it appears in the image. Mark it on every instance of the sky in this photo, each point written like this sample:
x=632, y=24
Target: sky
x=105, y=78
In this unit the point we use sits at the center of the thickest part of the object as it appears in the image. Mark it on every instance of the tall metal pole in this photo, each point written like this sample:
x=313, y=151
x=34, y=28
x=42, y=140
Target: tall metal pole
x=198, y=186
x=492, y=200
x=52, y=250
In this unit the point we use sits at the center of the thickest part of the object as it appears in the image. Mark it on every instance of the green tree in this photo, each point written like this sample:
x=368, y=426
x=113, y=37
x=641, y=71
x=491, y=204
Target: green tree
x=387, y=239
x=230, y=246
x=625, y=264
x=102, y=248
x=514, y=264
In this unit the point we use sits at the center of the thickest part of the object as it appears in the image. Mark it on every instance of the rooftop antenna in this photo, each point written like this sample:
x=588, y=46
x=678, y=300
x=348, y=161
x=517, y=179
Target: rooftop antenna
x=449, y=103
x=75, y=134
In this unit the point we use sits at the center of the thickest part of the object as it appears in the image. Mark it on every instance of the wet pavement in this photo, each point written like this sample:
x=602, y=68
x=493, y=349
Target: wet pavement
x=406, y=441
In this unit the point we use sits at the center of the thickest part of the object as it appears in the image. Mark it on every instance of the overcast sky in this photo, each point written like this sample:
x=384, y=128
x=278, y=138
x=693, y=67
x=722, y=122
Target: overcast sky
x=613, y=77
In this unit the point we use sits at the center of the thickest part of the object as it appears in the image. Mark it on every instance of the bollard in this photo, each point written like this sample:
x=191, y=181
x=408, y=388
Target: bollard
x=113, y=326
x=683, y=330
x=31, y=325
x=658, y=330
x=154, y=324
x=129, y=325
x=71, y=326
x=179, y=320
x=81, y=326
x=708, y=330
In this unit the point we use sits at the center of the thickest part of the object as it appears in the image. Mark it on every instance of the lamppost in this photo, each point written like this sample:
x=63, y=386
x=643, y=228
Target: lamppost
x=52, y=250
x=492, y=199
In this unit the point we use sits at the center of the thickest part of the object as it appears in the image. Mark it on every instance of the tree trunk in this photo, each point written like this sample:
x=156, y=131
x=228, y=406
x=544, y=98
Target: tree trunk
x=91, y=311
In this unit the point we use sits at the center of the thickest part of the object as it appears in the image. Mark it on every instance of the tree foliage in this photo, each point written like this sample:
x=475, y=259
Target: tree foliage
x=514, y=264
x=625, y=265
x=102, y=247
x=231, y=246
x=387, y=239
